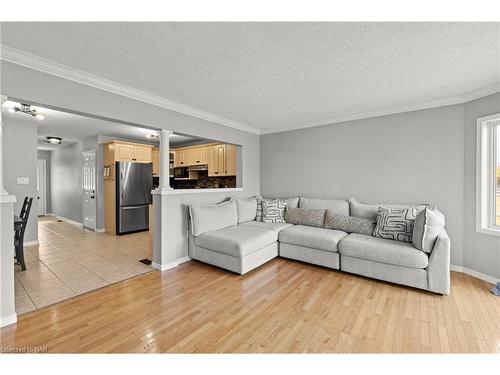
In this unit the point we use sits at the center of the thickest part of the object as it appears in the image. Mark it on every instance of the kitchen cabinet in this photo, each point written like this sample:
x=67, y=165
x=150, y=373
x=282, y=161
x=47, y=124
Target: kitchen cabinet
x=131, y=152
x=181, y=157
x=198, y=156
x=221, y=160
x=186, y=156
x=155, y=158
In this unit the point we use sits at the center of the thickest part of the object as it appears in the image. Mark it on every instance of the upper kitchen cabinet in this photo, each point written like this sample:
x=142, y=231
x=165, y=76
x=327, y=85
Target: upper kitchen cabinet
x=155, y=158
x=221, y=160
x=198, y=155
x=130, y=152
x=194, y=155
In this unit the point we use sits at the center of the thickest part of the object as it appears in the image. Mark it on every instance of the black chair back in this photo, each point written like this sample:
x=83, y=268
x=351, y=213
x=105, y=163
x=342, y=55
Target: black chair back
x=24, y=217
x=25, y=205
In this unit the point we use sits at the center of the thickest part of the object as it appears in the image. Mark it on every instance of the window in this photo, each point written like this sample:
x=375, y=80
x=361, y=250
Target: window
x=488, y=175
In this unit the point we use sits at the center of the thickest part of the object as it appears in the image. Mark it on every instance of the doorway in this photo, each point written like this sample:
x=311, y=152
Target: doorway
x=41, y=187
x=89, y=189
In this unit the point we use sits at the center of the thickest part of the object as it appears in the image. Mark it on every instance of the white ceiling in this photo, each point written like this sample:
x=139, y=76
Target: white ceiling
x=276, y=75
x=74, y=128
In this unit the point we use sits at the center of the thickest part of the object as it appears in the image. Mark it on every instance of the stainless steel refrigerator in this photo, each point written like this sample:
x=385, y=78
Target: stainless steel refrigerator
x=134, y=182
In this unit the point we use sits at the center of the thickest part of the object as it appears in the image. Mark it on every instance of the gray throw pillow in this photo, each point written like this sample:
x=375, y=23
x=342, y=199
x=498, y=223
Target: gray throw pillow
x=274, y=211
x=305, y=216
x=370, y=211
x=428, y=224
x=395, y=223
x=247, y=209
x=349, y=224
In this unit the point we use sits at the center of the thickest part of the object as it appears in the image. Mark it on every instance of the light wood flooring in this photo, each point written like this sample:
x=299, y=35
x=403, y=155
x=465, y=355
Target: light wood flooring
x=70, y=261
x=283, y=306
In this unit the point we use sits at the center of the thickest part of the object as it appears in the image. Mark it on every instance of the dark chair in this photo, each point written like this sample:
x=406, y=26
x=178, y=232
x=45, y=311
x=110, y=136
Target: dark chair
x=19, y=233
x=23, y=208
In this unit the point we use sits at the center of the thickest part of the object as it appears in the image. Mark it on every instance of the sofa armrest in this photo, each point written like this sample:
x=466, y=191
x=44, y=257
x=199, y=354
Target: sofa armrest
x=438, y=270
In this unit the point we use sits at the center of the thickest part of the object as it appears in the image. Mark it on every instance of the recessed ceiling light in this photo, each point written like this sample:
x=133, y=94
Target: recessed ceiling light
x=54, y=140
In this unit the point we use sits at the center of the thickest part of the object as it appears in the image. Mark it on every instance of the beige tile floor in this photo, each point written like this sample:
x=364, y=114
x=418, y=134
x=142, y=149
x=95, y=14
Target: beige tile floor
x=70, y=261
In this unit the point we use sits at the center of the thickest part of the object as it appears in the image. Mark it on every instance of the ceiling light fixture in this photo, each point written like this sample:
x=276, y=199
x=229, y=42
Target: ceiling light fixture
x=54, y=140
x=153, y=135
x=28, y=110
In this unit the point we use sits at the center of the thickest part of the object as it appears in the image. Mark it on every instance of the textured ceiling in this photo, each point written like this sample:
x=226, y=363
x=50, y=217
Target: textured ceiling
x=274, y=75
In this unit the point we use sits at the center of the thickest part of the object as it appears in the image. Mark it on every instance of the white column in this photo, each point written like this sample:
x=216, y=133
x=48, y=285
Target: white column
x=2, y=188
x=165, y=160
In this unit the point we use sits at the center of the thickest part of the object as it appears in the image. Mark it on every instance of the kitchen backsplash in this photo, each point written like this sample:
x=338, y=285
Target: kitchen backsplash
x=206, y=183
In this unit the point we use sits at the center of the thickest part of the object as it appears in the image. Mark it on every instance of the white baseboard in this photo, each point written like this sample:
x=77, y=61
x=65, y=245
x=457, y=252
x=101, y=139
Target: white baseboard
x=100, y=230
x=11, y=319
x=479, y=275
x=69, y=221
x=30, y=243
x=167, y=266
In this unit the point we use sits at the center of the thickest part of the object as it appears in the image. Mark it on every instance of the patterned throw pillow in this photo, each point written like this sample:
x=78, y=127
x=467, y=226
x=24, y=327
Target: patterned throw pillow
x=274, y=211
x=395, y=223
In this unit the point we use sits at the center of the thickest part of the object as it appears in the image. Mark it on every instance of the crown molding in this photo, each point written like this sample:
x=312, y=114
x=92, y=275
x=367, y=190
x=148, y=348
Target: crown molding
x=27, y=60
x=460, y=99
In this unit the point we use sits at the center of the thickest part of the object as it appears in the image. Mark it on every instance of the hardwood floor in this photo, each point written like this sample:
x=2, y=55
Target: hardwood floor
x=283, y=306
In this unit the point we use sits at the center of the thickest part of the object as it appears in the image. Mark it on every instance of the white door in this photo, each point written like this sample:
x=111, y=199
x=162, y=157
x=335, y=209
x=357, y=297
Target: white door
x=41, y=183
x=89, y=189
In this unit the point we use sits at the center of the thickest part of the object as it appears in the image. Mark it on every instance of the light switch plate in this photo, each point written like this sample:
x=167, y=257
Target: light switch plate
x=23, y=180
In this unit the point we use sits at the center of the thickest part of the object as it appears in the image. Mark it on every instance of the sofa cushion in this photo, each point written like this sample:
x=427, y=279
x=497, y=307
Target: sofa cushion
x=370, y=211
x=316, y=238
x=305, y=216
x=290, y=202
x=247, y=209
x=395, y=223
x=214, y=217
x=336, y=206
x=428, y=224
x=277, y=227
x=350, y=224
x=237, y=241
x=382, y=250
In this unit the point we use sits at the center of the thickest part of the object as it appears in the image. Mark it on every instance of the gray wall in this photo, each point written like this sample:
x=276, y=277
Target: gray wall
x=481, y=251
x=20, y=141
x=414, y=157
x=44, y=89
x=45, y=155
x=66, y=182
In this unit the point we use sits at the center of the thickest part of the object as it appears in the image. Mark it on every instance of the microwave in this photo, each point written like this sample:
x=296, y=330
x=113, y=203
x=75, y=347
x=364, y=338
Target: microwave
x=181, y=172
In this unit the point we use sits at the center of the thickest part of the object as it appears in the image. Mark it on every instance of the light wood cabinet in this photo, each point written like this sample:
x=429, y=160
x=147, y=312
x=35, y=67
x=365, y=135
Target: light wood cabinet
x=155, y=158
x=181, y=157
x=186, y=156
x=131, y=152
x=230, y=160
x=216, y=160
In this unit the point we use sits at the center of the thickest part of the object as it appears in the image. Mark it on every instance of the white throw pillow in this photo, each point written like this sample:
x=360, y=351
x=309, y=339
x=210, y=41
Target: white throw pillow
x=247, y=209
x=214, y=217
x=428, y=224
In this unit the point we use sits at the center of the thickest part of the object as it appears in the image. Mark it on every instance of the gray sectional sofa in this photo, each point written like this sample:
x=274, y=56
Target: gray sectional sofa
x=229, y=236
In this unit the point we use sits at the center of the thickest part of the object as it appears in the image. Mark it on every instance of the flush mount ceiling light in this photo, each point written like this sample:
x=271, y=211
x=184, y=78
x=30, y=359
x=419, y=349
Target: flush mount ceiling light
x=153, y=135
x=54, y=140
x=26, y=109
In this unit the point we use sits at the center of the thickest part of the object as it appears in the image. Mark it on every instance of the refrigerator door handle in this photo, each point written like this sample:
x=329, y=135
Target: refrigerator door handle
x=133, y=207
